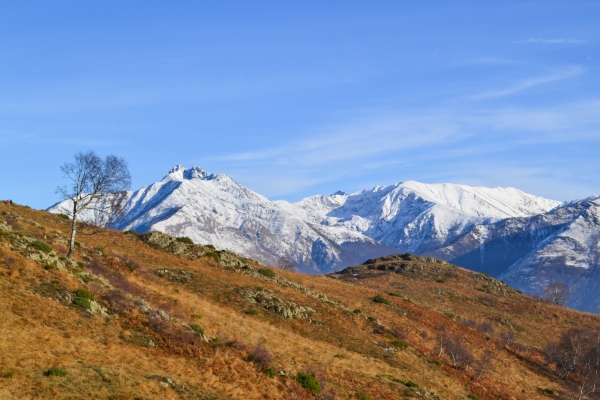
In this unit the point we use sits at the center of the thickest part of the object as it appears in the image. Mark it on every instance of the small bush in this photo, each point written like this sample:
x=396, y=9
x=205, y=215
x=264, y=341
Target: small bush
x=342, y=356
x=450, y=315
x=130, y=266
x=41, y=246
x=185, y=240
x=437, y=362
x=411, y=384
x=84, y=294
x=212, y=255
x=210, y=246
x=362, y=396
x=473, y=397
x=54, y=371
x=308, y=381
x=261, y=356
x=132, y=233
x=77, y=244
x=408, y=256
x=371, y=319
x=7, y=374
x=101, y=251
x=549, y=391
x=357, y=311
x=217, y=342
x=380, y=299
x=329, y=303
x=269, y=371
x=251, y=312
x=400, y=344
x=197, y=316
x=48, y=266
x=267, y=272
x=442, y=280
x=64, y=216
x=83, y=303
x=394, y=294
x=197, y=328
x=80, y=264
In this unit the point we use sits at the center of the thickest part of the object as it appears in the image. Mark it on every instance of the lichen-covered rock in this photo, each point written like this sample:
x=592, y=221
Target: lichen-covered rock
x=172, y=245
x=96, y=308
x=4, y=226
x=176, y=275
x=285, y=309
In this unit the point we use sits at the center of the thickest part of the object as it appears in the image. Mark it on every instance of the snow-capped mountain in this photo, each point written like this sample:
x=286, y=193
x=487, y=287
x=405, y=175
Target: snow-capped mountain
x=319, y=233
x=562, y=245
x=412, y=216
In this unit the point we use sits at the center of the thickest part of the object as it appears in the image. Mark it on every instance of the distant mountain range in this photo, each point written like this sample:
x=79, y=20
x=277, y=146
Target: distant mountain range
x=527, y=240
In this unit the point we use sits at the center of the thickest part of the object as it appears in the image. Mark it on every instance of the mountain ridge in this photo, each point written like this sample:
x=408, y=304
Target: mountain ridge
x=524, y=239
x=319, y=233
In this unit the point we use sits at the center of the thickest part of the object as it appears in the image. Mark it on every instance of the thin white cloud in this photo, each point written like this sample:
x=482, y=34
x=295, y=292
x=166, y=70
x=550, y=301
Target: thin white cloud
x=552, y=41
x=383, y=142
x=563, y=74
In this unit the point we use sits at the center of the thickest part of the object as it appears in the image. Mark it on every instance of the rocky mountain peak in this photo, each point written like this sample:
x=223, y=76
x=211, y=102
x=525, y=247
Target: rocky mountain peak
x=180, y=172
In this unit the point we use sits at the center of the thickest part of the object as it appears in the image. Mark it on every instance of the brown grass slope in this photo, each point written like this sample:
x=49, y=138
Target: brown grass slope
x=141, y=317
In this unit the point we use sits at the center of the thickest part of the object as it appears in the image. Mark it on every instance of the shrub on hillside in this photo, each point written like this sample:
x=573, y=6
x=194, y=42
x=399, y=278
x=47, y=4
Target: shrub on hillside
x=41, y=246
x=308, y=381
x=185, y=239
x=84, y=294
x=213, y=255
x=363, y=396
x=269, y=371
x=83, y=303
x=380, y=299
x=267, y=272
x=260, y=356
x=55, y=371
x=197, y=328
x=400, y=344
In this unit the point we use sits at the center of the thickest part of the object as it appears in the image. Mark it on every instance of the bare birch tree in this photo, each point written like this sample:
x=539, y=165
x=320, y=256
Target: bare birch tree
x=95, y=183
x=556, y=293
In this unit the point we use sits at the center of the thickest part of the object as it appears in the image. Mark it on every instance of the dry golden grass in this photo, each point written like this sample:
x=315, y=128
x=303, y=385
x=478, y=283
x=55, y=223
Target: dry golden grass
x=105, y=358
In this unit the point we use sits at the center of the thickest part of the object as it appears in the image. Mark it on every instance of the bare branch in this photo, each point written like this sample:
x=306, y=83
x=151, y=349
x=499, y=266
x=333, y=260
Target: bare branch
x=97, y=184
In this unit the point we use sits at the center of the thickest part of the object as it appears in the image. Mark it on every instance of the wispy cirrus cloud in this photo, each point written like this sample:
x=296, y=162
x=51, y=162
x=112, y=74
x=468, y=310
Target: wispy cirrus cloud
x=552, y=41
x=469, y=141
x=565, y=73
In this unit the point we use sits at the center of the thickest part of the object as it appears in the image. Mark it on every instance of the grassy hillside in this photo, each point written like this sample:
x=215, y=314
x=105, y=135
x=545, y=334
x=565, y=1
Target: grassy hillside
x=151, y=316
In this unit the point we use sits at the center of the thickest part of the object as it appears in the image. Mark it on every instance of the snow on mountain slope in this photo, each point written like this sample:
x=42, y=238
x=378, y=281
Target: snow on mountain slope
x=562, y=245
x=413, y=216
x=215, y=209
x=319, y=233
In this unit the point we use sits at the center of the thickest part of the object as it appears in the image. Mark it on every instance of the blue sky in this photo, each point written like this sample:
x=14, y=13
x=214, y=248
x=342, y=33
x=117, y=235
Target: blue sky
x=298, y=98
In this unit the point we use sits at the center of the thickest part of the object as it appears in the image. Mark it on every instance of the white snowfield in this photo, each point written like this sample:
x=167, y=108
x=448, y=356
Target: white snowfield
x=319, y=233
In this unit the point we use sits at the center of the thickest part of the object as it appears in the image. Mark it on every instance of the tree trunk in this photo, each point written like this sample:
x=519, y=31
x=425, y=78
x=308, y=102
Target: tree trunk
x=73, y=228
